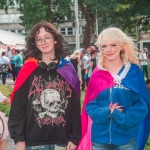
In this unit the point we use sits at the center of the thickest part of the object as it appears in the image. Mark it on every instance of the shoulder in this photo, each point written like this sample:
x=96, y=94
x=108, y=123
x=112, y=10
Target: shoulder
x=135, y=68
x=6, y=58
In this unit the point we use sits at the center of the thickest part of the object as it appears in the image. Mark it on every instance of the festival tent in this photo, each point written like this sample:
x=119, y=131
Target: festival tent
x=11, y=38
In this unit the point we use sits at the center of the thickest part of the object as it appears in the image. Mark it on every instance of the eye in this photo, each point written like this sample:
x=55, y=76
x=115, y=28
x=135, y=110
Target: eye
x=104, y=46
x=47, y=38
x=38, y=40
x=113, y=45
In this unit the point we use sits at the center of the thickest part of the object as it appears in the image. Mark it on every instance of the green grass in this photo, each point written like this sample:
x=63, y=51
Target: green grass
x=6, y=90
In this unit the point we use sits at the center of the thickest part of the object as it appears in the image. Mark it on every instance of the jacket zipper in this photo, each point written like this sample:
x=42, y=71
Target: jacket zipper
x=110, y=118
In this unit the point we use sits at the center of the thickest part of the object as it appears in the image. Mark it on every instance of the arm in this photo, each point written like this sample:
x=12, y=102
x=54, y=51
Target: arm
x=10, y=66
x=133, y=115
x=7, y=101
x=75, y=134
x=4, y=99
x=79, y=61
x=16, y=122
x=99, y=114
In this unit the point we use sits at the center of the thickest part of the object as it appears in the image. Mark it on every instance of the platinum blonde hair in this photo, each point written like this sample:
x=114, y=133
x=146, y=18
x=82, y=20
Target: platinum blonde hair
x=127, y=54
x=75, y=54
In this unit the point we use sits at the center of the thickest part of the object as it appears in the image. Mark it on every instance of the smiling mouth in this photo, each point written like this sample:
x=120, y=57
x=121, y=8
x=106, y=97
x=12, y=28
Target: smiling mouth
x=109, y=54
x=45, y=47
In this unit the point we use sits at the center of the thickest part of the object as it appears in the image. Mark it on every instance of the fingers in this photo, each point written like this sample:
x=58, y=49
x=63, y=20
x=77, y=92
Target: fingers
x=113, y=106
x=71, y=146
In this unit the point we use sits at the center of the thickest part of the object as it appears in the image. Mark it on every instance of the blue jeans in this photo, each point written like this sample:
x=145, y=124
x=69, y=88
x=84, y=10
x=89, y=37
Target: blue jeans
x=4, y=76
x=131, y=145
x=17, y=69
x=47, y=147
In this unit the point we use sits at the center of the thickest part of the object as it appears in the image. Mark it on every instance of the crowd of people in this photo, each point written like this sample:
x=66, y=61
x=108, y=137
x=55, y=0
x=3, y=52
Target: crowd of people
x=14, y=58
x=45, y=102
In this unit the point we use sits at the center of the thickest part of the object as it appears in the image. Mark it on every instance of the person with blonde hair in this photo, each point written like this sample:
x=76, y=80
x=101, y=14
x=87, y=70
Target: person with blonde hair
x=75, y=59
x=115, y=114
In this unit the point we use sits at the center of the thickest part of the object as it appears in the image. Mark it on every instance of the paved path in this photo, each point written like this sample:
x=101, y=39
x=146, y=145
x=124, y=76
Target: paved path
x=10, y=142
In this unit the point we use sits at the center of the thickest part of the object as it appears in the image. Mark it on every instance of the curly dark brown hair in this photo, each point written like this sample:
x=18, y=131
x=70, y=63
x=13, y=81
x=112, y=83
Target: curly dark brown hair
x=33, y=51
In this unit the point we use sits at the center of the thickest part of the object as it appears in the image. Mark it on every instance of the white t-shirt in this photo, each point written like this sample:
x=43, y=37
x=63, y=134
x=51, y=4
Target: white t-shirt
x=5, y=60
x=8, y=54
x=143, y=56
x=2, y=97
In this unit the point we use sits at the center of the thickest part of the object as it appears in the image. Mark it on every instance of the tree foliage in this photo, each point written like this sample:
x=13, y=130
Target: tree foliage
x=125, y=14
x=36, y=10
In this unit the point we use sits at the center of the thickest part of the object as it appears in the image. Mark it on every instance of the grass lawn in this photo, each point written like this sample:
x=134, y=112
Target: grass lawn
x=6, y=90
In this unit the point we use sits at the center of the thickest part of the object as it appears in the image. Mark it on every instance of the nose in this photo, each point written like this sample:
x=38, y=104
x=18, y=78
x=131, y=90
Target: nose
x=108, y=48
x=42, y=41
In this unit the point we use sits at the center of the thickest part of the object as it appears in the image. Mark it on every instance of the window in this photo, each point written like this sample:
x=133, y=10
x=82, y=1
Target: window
x=82, y=30
x=62, y=31
x=19, y=31
x=11, y=17
x=70, y=31
x=12, y=31
x=5, y=18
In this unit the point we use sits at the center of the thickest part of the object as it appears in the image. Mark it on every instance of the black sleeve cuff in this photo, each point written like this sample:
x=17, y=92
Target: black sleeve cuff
x=74, y=141
x=19, y=139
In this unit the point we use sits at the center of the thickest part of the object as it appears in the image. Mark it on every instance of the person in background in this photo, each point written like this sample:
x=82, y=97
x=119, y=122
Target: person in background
x=117, y=99
x=148, y=84
x=45, y=110
x=18, y=59
x=3, y=126
x=12, y=62
x=4, y=60
x=92, y=63
x=8, y=52
x=66, y=53
x=144, y=62
x=87, y=64
x=76, y=60
x=84, y=58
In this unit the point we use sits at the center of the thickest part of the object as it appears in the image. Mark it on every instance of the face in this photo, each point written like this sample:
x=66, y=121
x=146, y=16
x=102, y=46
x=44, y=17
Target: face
x=13, y=51
x=88, y=50
x=111, y=50
x=45, y=41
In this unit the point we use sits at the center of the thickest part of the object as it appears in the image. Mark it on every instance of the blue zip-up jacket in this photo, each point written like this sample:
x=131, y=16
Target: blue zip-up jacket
x=117, y=127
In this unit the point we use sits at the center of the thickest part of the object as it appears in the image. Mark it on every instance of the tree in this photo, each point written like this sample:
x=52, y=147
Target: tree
x=125, y=14
x=51, y=11
x=87, y=7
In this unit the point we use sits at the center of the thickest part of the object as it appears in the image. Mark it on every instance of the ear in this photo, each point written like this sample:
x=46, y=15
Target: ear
x=55, y=42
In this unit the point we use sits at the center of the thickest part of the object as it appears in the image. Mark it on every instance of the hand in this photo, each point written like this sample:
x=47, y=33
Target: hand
x=71, y=146
x=91, y=64
x=113, y=106
x=21, y=146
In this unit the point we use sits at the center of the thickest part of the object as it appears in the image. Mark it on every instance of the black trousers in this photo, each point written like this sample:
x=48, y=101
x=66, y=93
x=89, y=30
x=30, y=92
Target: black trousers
x=83, y=79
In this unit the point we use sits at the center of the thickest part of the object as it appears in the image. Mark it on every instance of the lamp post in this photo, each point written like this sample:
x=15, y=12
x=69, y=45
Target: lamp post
x=77, y=26
x=96, y=23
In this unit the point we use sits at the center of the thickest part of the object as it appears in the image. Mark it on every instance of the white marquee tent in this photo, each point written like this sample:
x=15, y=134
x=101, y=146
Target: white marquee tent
x=11, y=38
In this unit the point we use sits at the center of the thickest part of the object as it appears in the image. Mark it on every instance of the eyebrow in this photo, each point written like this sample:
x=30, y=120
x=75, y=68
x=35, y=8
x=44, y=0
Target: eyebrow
x=43, y=36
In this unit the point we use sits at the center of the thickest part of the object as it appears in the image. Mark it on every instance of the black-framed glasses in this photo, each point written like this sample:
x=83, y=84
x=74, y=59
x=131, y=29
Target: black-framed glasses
x=46, y=40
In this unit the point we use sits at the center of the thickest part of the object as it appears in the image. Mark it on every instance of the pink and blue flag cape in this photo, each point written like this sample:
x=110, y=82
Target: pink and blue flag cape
x=101, y=80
